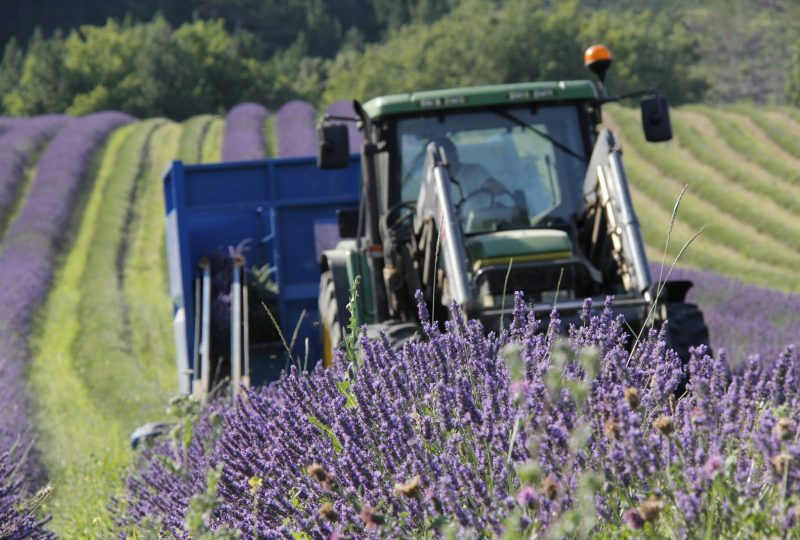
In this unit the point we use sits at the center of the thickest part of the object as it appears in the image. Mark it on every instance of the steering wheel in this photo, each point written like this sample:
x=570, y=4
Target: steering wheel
x=495, y=189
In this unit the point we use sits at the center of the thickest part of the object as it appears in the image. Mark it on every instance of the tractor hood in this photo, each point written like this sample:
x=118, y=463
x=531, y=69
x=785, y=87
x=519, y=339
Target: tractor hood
x=526, y=245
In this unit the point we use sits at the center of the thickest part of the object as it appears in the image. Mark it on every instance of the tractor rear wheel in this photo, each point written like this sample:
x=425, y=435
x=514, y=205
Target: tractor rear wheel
x=686, y=328
x=330, y=326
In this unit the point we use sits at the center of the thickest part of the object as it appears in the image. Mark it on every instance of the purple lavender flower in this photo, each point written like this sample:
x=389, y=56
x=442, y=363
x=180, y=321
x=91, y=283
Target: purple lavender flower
x=26, y=258
x=244, y=133
x=17, y=516
x=742, y=318
x=18, y=144
x=295, y=126
x=440, y=431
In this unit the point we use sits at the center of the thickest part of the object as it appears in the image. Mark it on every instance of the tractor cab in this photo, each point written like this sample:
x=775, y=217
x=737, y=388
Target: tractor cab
x=471, y=194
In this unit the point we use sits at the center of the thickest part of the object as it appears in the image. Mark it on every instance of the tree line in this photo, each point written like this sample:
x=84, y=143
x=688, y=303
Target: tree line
x=176, y=59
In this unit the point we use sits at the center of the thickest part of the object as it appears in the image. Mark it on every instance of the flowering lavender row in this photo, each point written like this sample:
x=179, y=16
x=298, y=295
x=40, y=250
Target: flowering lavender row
x=522, y=433
x=17, y=147
x=344, y=108
x=295, y=127
x=17, y=515
x=244, y=133
x=746, y=319
x=26, y=258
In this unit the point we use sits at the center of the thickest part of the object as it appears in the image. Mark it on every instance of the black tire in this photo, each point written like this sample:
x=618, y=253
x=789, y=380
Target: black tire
x=686, y=328
x=329, y=323
x=397, y=332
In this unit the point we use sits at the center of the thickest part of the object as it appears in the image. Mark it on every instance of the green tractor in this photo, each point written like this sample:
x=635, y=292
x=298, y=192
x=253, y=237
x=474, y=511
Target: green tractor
x=471, y=194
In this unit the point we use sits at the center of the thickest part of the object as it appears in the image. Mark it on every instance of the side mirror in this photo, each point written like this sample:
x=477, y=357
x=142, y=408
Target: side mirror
x=655, y=119
x=333, y=147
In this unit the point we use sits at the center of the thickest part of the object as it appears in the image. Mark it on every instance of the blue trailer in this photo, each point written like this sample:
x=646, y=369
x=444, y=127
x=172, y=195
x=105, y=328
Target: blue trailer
x=285, y=210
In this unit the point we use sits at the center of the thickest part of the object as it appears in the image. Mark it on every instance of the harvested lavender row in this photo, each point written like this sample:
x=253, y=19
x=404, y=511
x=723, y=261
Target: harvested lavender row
x=524, y=433
x=17, y=517
x=746, y=319
x=17, y=147
x=344, y=107
x=295, y=127
x=244, y=133
x=26, y=259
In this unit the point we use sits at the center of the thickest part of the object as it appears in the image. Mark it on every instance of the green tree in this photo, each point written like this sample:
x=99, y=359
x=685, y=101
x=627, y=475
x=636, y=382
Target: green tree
x=45, y=84
x=10, y=68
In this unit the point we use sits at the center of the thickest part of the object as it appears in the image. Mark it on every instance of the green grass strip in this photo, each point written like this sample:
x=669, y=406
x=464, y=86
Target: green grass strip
x=85, y=451
x=699, y=135
x=102, y=348
x=212, y=142
x=146, y=285
x=190, y=145
x=743, y=205
x=270, y=137
x=696, y=212
x=751, y=143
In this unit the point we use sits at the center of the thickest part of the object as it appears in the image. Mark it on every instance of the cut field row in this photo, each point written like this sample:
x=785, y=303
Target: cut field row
x=742, y=187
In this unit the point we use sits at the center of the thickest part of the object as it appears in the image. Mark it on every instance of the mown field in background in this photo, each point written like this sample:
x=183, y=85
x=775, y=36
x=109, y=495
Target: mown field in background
x=102, y=351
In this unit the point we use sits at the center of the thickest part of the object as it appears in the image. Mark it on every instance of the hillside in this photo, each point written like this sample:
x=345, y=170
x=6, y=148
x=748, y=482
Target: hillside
x=101, y=350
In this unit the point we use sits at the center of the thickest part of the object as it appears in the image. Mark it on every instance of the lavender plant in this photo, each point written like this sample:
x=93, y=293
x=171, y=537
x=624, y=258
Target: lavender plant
x=294, y=125
x=520, y=434
x=17, y=148
x=244, y=127
x=26, y=259
x=18, y=519
x=743, y=318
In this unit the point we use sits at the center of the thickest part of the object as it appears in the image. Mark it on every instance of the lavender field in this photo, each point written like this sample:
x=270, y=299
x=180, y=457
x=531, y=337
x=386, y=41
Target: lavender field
x=522, y=434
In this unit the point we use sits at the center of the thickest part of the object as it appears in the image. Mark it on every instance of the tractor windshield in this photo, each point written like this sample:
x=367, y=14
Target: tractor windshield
x=512, y=168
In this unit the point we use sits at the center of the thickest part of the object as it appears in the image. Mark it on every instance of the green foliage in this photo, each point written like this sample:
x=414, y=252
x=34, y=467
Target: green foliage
x=204, y=56
x=44, y=82
x=482, y=42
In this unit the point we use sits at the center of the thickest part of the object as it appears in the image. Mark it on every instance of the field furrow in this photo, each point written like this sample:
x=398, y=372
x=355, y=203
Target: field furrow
x=744, y=136
x=83, y=448
x=776, y=124
x=146, y=286
x=704, y=253
x=699, y=135
x=212, y=142
x=695, y=211
x=270, y=137
x=190, y=146
x=740, y=204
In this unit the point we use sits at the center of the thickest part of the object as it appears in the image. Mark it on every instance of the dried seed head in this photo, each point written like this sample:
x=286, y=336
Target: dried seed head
x=317, y=471
x=371, y=519
x=780, y=461
x=632, y=397
x=549, y=488
x=431, y=496
x=783, y=429
x=633, y=519
x=409, y=489
x=664, y=425
x=611, y=429
x=526, y=496
x=327, y=511
x=651, y=509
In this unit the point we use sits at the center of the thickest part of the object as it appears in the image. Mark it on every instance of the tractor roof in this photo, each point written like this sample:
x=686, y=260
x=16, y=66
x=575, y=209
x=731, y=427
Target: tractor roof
x=478, y=96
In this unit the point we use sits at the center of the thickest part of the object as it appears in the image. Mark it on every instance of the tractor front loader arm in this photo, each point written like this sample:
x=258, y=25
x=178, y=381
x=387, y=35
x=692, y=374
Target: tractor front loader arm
x=436, y=210
x=606, y=190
